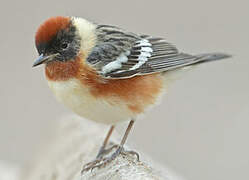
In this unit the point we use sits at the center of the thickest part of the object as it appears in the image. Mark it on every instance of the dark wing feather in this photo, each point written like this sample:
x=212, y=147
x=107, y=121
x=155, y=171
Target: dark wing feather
x=120, y=54
x=164, y=56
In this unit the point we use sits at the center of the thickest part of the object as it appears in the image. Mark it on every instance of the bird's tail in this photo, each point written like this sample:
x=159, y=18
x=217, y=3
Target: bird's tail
x=211, y=57
x=201, y=58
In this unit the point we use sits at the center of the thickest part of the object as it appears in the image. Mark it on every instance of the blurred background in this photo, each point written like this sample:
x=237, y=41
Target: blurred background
x=200, y=129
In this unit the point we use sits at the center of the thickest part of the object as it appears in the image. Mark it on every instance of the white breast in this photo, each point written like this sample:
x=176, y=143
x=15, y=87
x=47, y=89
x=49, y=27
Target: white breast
x=78, y=98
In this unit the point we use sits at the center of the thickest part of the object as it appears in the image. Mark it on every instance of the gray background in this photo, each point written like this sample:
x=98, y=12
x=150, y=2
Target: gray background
x=200, y=129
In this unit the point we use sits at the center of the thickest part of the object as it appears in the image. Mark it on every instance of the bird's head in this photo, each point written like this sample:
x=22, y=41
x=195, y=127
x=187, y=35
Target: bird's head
x=62, y=39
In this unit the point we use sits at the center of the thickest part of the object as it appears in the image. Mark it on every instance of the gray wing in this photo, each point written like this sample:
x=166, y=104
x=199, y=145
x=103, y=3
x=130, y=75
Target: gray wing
x=120, y=54
x=113, y=44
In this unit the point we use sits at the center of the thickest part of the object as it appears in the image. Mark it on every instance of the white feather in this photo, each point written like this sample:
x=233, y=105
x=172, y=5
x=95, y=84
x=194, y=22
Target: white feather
x=86, y=31
x=144, y=54
x=143, y=57
x=115, y=64
x=140, y=63
x=143, y=42
x=78, y=98
x=147, y=49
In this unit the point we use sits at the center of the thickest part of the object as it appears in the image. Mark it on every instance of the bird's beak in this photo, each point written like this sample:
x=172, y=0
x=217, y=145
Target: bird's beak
x=43, y=59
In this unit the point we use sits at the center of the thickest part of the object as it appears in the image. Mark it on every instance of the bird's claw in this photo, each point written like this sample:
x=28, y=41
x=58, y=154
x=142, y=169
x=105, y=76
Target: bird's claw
x=89, y=165
x=131, y=153
x=104, y=161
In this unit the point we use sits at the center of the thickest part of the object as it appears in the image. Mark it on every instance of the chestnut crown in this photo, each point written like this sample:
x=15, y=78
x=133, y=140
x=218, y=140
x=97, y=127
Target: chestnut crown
x=57, y=39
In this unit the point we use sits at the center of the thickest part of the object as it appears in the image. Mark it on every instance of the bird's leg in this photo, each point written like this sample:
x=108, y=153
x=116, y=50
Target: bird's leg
x=120, y=150
x=102, y=150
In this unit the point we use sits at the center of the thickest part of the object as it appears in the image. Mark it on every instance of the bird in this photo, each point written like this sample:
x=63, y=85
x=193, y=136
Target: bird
x=107, y=74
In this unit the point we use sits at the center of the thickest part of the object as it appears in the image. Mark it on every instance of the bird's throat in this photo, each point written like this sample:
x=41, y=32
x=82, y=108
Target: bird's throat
x=62, y=71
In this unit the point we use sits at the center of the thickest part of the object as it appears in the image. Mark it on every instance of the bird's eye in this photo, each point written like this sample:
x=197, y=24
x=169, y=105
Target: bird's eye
x=64, y=45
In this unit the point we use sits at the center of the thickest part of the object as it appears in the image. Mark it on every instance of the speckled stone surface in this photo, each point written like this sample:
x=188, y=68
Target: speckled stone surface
x=76, y=143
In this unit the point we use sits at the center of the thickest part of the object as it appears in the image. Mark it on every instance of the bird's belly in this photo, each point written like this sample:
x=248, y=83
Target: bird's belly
x=79, y=99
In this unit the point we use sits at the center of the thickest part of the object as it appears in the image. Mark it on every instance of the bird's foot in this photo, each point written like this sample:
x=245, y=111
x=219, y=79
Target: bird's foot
x=102, y=152
x=100, y=157
x=104, y=161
